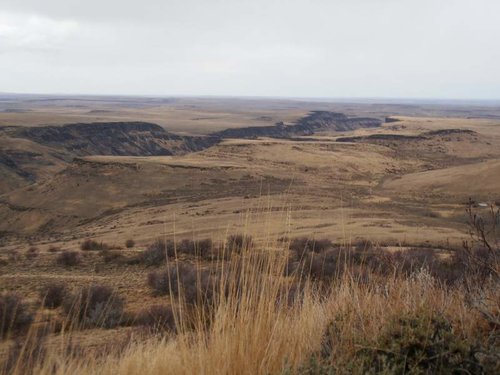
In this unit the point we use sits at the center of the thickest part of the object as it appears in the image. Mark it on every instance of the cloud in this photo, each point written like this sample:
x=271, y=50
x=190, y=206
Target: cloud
x=327, y=48
x=34, y=32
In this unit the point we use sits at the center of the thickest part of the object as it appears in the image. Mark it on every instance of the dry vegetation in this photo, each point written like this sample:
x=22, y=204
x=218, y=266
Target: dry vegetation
x=366, y=251
x=248, y=306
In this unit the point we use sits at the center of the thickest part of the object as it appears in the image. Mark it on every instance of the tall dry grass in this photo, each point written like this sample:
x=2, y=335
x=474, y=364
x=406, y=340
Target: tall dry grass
x=251, y=319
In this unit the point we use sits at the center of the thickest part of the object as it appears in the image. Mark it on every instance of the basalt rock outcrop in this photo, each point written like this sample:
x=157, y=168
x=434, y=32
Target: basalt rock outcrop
x=147, y=139
x=114, y=138
x=434, y=134
x=316, y=121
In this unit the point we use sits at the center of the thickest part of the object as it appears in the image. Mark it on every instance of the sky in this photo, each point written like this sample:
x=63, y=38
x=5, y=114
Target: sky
x=286, y=48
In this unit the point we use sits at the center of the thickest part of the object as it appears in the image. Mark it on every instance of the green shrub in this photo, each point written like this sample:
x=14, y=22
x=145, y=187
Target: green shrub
x=416, y=343
x=419, y=343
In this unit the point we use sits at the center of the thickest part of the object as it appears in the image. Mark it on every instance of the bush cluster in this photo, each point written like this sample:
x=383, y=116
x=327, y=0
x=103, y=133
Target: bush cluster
x=303, y=245
x=202, y=248
x=68, y=258
x=239, y=242
x=111, y=255
x=89, y=245
x=94, y=306
x=327, y=261
x=53, y=295
x=14, y=315
x=420, y=343
x=157, y=317
x=179, y=279
x=156, y=254
x=415, y=343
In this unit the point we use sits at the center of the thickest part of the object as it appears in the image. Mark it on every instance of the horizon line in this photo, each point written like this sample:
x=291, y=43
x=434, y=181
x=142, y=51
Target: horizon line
x=332, y=99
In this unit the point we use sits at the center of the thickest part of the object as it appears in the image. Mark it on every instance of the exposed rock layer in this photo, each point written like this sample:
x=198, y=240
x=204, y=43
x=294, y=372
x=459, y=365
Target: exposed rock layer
x=315, y=122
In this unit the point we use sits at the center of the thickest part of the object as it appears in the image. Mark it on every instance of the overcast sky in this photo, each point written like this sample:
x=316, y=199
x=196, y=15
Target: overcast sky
x=295, y=48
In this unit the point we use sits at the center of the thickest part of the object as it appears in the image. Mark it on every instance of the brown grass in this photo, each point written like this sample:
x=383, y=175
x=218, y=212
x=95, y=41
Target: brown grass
x=342, y=309
x=252, y=326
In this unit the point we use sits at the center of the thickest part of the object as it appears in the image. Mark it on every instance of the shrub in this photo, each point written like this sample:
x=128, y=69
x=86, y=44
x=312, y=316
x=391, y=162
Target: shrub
x=53, y=249
x=159, y=317
x=186, y=247
x=159, y=281
x=313, y=366
x=129, y=244
x=182, y=279
x=111, y=255
x=32, y=253
x=415, y=259
x=239, y=242
x=133, y=260
x=363, y=245
x=94, y=306
x=420, y=343
x=25, y=354
x=69, y=258
x=386, y=263
x=303, y=245
x=157, y=253
x=14, y=315
x=53, y=295
x=89, y=244
x=432, y=214
x=322, y=245
x=201, y=248
x=205, y=247
x=471, y=265
x=324, y=266
x=299, y=246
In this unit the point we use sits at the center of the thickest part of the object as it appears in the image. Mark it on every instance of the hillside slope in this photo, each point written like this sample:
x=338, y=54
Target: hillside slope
x=114, y=138
x=480, y=180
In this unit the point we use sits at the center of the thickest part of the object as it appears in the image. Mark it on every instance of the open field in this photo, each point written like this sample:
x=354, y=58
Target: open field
x=392, y=186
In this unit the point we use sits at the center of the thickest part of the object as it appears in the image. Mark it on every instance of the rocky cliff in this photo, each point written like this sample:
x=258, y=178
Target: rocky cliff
x=114, y=138
x=316, y=121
